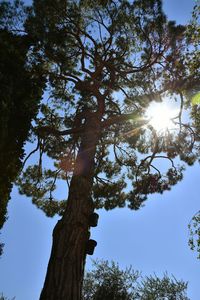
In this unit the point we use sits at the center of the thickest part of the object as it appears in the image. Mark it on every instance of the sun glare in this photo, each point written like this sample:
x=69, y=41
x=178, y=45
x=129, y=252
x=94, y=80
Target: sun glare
x=160, y=116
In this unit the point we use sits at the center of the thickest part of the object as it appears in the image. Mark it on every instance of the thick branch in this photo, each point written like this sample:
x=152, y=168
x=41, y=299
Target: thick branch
x=53, y=131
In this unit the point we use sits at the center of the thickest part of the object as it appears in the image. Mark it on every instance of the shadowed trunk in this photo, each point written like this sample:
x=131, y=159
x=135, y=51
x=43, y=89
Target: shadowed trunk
x=66, y=265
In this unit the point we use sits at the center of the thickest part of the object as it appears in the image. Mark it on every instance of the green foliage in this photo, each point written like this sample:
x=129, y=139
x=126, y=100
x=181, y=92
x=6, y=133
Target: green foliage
x=21, y=90
x=106, y=281
x=196, y=99
x=193, y=55
x=194, y=233
x=108, y=59
x=153, y=287
x=40, y=186
x=88, y=50
x=109, y=282
x=109, y=194
x=193, y=33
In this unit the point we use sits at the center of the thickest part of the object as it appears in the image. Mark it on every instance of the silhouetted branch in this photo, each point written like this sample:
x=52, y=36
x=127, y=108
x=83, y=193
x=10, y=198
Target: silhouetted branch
x=53, y=184
x=50, y=130
x=31, y=153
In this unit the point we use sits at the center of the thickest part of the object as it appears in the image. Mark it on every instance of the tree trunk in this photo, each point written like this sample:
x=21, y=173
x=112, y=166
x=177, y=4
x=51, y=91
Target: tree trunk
x=66, y=265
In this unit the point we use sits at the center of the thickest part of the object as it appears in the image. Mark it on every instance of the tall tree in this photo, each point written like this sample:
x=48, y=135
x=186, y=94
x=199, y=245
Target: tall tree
x=21, y=92
x=105, y=62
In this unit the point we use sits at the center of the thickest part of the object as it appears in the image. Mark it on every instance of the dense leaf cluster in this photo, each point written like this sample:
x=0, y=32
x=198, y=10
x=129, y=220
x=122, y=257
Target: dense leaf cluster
x=21, y=91
x=106, y=281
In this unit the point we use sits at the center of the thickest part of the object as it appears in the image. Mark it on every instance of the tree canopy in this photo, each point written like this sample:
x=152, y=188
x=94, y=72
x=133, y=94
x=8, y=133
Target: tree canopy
x=112, y=58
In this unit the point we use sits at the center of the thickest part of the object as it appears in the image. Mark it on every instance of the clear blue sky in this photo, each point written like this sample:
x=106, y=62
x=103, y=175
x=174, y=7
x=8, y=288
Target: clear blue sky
x=153, y=240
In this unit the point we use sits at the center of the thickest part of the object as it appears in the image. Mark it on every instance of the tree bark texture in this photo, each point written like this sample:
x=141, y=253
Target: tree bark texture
x=66, y=265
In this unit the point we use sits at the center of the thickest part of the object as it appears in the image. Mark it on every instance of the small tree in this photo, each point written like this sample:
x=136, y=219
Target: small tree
x=106, y=281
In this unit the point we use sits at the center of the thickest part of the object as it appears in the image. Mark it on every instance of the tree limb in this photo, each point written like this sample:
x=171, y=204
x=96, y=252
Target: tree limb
x=50, y=130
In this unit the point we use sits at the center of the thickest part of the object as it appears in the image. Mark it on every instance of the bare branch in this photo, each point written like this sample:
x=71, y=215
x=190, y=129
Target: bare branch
x=156, y=170
x=103, y=180
x=116, y=156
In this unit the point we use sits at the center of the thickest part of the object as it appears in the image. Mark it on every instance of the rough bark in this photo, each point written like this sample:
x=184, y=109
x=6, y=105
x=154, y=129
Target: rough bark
x=71, y=233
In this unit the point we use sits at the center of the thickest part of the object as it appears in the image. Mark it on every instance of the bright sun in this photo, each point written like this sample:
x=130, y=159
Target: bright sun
x=160, y=116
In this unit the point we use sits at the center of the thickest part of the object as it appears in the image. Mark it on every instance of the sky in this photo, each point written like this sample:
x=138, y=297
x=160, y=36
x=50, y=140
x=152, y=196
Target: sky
x=152, y=240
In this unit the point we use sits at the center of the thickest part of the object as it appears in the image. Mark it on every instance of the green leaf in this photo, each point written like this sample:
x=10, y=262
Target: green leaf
x=196, y=99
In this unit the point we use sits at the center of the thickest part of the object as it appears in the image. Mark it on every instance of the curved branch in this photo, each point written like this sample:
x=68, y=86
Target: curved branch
x=31, y=153
x=160, y=156
x=152, y=166
x=116, y=156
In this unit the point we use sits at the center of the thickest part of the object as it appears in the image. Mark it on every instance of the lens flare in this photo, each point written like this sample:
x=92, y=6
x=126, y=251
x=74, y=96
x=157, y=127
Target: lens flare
x=161, y=116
